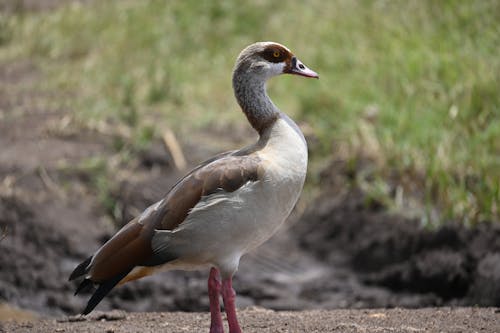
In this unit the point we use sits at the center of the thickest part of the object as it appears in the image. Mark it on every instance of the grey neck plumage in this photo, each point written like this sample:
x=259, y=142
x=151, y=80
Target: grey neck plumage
x=251, y=94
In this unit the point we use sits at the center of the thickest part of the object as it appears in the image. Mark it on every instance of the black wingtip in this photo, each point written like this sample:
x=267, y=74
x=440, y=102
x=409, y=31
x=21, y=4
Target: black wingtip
x=88, y=309
x=85, y=284
x=103, y=289
x=81, y=269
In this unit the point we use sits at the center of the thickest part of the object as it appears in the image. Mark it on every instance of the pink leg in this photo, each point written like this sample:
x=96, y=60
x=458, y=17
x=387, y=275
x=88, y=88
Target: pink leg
x=229, y=296
x=214, y=288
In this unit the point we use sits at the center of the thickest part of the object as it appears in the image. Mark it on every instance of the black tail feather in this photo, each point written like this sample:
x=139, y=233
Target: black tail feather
x=103, y=289
x=85, y=284
x=81, y=269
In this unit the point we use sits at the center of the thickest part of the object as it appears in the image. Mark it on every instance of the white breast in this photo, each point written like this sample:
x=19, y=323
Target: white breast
x=285, y=157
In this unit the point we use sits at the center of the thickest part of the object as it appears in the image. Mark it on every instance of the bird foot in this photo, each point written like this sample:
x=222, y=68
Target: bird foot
x=216, y=329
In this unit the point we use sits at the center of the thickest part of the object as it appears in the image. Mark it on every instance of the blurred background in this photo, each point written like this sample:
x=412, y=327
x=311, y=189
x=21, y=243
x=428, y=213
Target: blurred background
x=104, y=104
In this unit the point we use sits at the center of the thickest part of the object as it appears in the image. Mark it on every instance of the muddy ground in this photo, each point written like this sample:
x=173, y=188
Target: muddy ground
x=341, y=251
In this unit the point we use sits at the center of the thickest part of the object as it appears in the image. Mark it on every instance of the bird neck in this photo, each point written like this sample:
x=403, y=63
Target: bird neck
x=251, y=94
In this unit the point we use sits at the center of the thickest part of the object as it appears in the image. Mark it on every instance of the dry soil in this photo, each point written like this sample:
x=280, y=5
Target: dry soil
x=259, y=320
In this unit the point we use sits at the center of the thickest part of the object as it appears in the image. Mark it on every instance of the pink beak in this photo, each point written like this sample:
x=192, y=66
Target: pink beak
x=298, y=68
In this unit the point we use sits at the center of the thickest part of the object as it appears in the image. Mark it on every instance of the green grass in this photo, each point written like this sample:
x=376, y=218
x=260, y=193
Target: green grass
x=413, y=85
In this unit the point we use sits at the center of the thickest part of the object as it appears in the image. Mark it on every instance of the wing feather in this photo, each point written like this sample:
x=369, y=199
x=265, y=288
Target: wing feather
x=132, y=245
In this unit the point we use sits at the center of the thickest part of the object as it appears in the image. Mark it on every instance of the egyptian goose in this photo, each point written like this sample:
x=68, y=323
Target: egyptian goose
x=222, y=209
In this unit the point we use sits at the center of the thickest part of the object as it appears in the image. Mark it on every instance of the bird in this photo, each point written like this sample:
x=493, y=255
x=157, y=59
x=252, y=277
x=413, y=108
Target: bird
x=223, y=208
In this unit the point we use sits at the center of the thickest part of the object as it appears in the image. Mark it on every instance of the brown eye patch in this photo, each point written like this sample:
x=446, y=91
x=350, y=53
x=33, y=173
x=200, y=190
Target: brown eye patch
x=275, y=54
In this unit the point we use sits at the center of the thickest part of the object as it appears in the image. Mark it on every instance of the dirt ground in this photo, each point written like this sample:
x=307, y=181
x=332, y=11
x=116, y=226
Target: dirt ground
x=258, y=320
x=341, y=251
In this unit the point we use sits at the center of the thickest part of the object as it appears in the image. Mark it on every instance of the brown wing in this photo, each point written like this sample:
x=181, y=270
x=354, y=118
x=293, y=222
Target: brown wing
x=131, y=246
x=226, y=174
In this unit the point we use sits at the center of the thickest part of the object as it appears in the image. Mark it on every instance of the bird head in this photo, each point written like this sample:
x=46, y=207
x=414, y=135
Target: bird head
x=269, y=59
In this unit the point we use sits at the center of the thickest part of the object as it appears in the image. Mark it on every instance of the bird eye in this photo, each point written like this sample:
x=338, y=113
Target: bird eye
x=276, y=54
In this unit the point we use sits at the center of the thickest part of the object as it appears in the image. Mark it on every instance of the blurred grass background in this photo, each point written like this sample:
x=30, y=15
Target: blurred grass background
x=411, y=85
